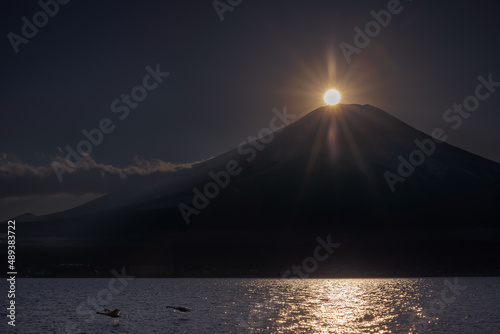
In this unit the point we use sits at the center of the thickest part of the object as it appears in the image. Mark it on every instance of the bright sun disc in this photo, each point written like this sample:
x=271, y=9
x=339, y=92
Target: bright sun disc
x=332, y=97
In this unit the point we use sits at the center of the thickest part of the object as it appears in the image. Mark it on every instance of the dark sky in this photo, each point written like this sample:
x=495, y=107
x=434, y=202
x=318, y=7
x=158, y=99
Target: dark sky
x=226, y=77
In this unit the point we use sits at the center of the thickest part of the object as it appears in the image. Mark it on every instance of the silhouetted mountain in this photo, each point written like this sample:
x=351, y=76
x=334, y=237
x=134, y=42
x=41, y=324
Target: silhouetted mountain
x=329, y=172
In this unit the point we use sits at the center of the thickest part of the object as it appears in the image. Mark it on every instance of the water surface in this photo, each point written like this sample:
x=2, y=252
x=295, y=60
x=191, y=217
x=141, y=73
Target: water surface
x=426, y=305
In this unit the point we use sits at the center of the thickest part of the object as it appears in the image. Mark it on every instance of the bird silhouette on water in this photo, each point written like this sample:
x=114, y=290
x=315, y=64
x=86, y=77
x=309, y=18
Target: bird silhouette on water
x=180, y=308
x=112, y=314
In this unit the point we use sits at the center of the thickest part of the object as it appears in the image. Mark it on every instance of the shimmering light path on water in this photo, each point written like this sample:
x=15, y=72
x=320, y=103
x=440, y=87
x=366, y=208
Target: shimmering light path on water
x=464, y=305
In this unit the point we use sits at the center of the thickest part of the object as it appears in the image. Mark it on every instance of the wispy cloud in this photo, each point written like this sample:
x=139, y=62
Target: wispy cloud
x=22, y=179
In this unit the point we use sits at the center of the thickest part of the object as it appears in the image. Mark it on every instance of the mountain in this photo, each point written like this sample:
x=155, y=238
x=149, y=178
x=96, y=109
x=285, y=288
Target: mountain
x=375, y=184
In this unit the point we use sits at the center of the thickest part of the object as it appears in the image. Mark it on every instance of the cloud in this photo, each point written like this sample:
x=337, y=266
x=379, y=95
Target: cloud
x=22, y=179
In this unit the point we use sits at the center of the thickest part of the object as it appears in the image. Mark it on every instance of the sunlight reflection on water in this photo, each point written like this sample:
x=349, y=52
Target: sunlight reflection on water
x=420, y=305
x=361, y=306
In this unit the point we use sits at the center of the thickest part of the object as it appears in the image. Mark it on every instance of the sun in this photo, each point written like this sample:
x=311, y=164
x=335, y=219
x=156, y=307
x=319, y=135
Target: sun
x=332, y=97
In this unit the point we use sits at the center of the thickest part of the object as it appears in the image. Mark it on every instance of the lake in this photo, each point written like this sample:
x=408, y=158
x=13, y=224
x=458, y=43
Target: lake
x=412, y=305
